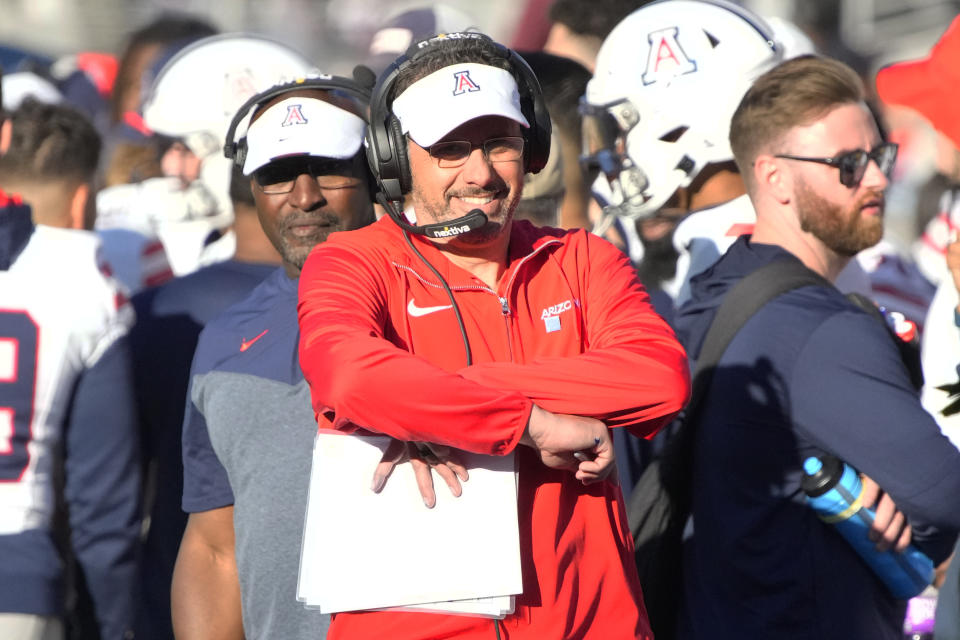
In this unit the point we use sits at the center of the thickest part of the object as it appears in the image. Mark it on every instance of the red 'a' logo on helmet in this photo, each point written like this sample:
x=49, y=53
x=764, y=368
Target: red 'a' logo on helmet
x=462, y=82
x=294, y=116
x=666, y=58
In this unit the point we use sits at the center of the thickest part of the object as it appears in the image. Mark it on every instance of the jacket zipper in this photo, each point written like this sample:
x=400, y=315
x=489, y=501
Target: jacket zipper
x=505, y=310
x=504, y=303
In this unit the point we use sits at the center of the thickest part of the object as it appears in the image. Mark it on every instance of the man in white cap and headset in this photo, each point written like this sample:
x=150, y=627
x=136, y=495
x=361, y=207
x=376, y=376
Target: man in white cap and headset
x=452, y=324
x=248, y=428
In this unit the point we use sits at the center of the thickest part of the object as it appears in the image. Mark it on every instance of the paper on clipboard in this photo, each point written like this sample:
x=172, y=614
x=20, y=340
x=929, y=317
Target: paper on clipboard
x=494, y=607
x=363, y=550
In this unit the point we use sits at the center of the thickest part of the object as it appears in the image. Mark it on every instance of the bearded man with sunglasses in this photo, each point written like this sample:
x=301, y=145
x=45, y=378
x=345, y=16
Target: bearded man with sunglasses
x=810, y=373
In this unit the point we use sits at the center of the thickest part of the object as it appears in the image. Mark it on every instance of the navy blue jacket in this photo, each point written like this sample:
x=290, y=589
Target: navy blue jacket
x=808, y=373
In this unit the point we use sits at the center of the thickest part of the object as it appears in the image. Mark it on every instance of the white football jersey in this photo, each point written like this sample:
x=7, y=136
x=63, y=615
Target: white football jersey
x=136, y=260
x=705, y=235
x=930, y=251
x=59, y=313
x=158, y=209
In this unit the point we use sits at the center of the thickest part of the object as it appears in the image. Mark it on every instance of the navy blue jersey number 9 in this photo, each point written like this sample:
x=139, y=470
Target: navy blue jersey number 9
x=19, y=339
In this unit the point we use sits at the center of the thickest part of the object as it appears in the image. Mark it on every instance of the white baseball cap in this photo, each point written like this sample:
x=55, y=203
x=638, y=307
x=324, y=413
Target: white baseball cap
x=435, y=105
x=302, y=126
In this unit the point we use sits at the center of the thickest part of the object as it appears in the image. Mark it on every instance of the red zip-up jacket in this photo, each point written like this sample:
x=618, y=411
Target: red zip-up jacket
x=569, y=328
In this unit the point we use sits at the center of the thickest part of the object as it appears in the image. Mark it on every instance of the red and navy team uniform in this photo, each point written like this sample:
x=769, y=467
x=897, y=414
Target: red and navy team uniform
x=66, y=406
x=169, y=321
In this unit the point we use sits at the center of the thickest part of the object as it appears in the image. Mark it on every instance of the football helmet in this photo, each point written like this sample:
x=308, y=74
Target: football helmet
x=194, y=96
x=200, y=88
x=668, y=79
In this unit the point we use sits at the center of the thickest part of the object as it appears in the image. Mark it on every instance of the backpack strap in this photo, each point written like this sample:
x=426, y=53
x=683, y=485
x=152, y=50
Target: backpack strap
x=660, y=503
x=746, y=298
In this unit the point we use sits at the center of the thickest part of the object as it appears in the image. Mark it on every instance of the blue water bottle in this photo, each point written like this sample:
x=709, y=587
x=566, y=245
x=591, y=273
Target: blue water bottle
x=833, y=490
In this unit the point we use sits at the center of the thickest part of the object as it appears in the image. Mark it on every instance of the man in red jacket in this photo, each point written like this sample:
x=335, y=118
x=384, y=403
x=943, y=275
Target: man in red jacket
x=559, y=341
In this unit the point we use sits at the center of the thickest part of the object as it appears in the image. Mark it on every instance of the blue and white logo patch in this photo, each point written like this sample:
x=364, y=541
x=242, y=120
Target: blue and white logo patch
x=551, y=315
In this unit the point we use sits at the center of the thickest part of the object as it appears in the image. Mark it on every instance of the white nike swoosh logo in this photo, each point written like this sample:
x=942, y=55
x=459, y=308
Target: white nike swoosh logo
x=416, y=311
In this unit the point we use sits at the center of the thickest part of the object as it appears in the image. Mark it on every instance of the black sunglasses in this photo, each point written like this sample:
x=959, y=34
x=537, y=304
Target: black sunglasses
x=279, y=176
x=853, y=164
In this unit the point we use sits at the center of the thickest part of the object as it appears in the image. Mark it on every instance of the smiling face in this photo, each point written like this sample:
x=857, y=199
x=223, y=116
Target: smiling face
x=443, y=194
x=298, y=220
x=845, y=219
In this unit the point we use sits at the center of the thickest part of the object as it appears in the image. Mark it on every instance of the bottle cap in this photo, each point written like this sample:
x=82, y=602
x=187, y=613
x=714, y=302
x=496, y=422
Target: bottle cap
x=812, y=465
x=821, y=473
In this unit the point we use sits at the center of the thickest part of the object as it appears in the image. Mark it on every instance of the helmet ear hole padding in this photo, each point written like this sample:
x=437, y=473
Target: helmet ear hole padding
x=387, y=146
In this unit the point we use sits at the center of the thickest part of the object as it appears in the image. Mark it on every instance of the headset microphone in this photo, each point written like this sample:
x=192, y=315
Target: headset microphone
x=447, y=229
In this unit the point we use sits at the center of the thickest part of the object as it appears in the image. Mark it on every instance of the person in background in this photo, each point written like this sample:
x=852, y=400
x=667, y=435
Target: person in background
x=141, y=49
x=580, y=26
x=662, y=158
x=402, y=29
x=248, y=429
x=930, y=86
x=809, y=373
x=186, y=112
x=169, y=320
x=69, y=458
x=564, y=82
x=60, y=190
x=543, y=192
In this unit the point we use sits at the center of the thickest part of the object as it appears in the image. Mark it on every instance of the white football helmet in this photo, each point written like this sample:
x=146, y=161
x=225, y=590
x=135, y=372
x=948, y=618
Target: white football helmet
x=196, y=93
x=199, y=89
x=668, y=79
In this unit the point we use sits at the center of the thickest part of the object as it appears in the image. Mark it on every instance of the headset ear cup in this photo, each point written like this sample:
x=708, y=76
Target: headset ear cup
x=539, y=144
x=240, y=153
x=534, y=108
x=398, y=144
x=373, y=160
x=370, y=166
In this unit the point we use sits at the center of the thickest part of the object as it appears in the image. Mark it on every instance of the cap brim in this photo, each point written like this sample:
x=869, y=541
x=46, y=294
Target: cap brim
x=302, y=126
x=434, y=106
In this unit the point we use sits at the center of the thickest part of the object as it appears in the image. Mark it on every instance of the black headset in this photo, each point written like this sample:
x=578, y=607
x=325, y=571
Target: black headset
x=387, y=145
x=236, y=150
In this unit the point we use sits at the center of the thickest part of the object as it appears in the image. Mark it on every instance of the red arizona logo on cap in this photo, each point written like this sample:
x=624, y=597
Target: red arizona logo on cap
x=294, y=116
x=462, y=82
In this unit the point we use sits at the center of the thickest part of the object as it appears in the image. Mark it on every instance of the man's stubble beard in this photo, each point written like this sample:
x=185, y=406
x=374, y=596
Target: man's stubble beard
x=296, y=250
x=843, y=230
x=484, y=234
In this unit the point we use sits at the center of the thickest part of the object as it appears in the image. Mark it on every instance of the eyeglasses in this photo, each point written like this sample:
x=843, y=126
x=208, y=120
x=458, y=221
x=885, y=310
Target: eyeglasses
x=280, y=176
x=454, y=153
x=853, y=164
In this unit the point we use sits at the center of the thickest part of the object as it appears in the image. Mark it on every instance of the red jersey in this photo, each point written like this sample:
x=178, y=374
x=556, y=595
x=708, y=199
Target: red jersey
x=570, y=328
